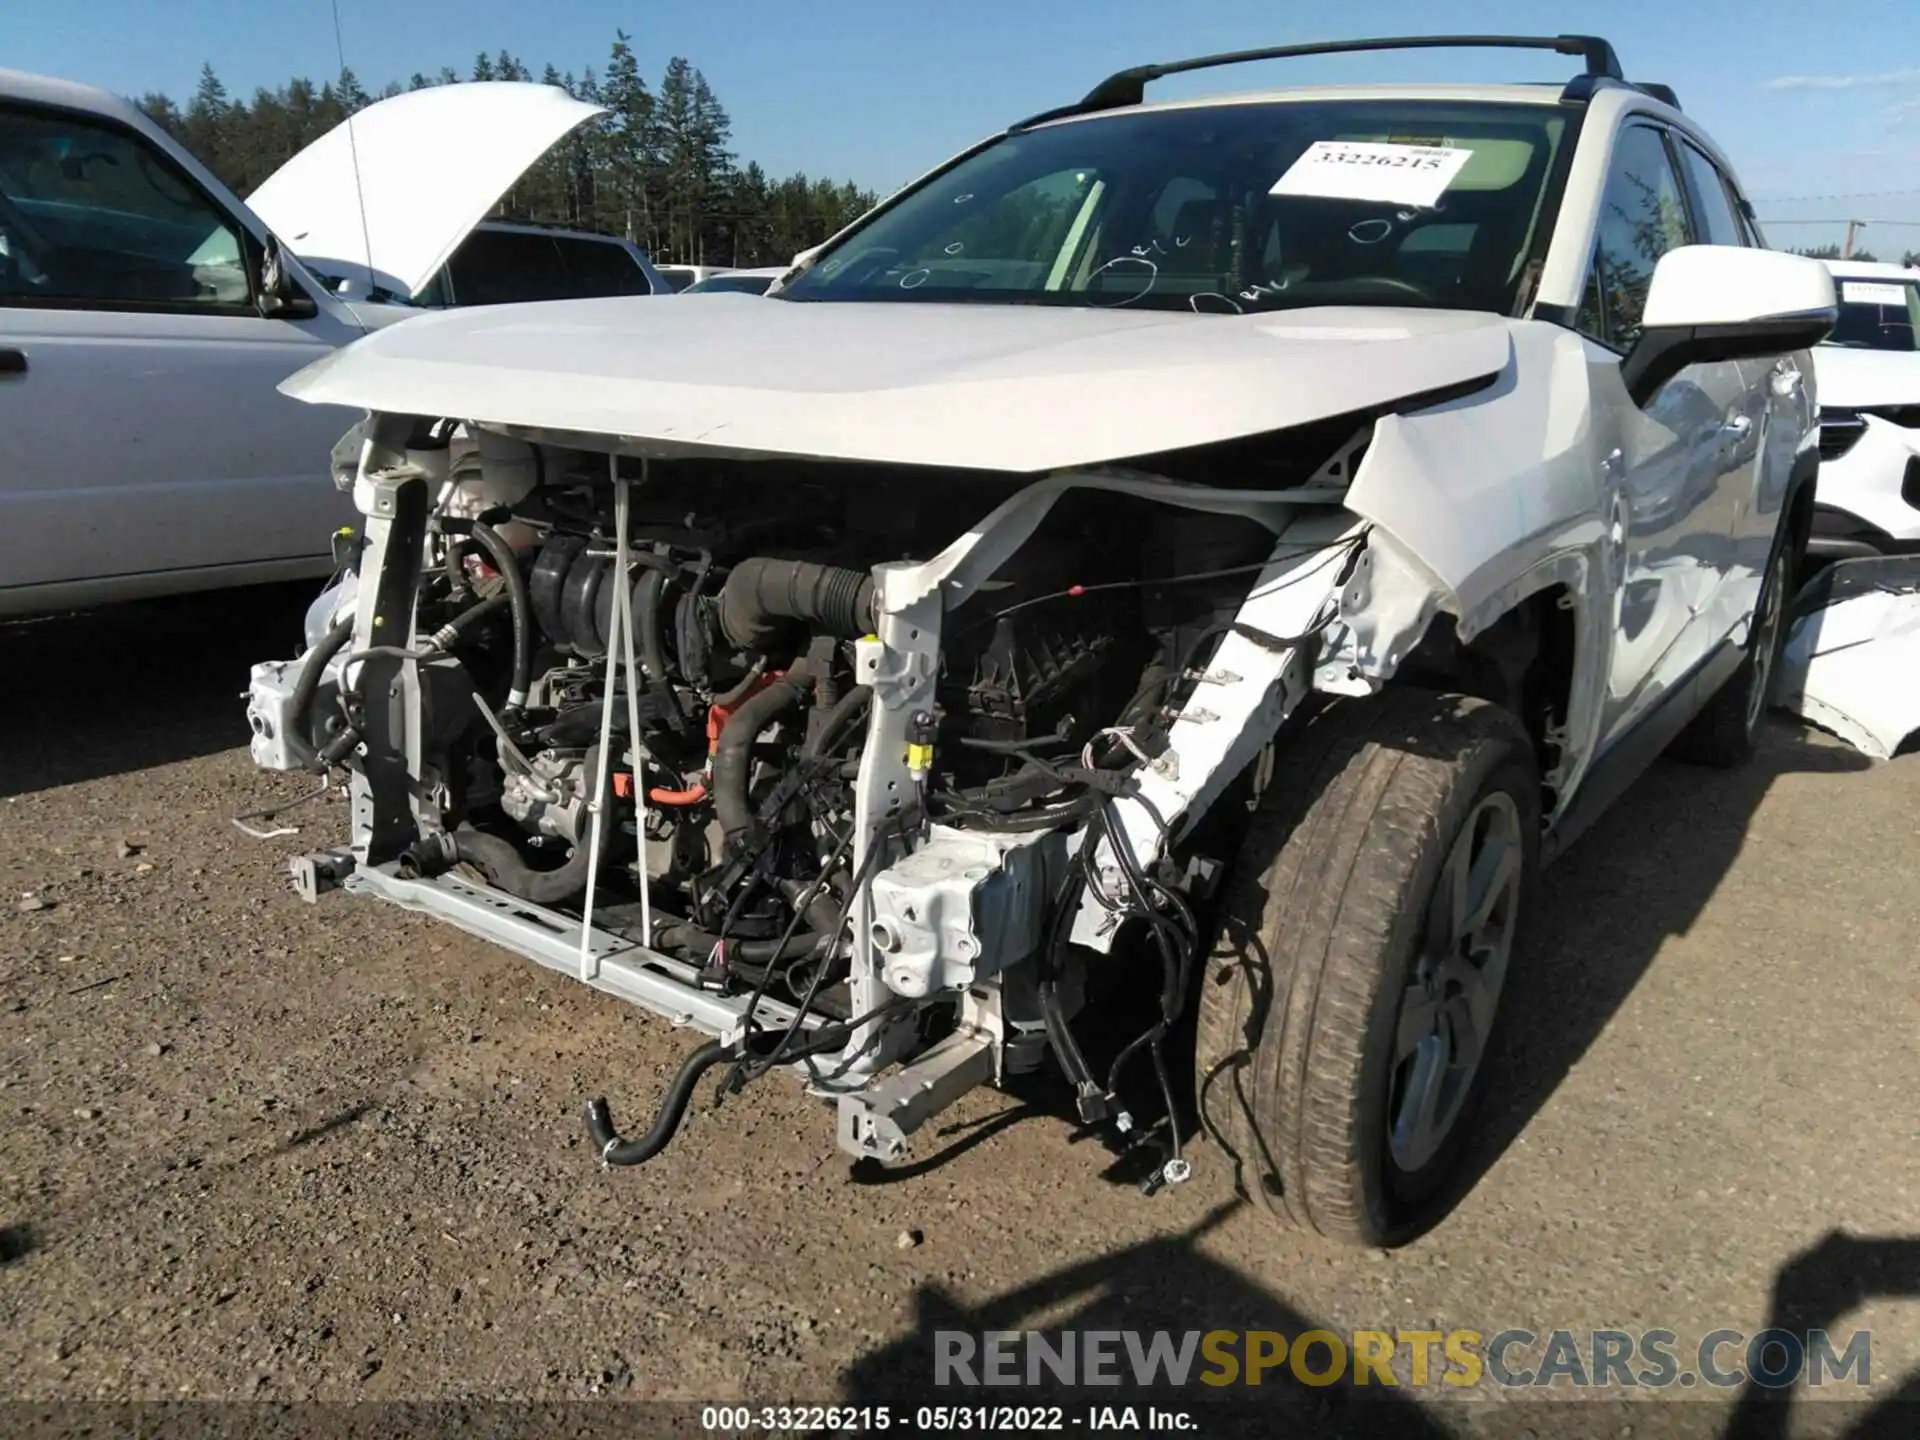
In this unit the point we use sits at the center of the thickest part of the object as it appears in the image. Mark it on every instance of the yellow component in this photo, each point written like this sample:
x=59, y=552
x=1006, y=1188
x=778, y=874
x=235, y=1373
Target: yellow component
x=919, y=757
x=344, y=530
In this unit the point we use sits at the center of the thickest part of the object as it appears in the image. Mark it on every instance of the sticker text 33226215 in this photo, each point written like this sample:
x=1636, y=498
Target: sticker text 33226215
x=1373, y=170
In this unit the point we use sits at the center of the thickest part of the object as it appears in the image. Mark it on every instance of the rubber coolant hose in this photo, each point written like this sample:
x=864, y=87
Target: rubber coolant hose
x=501, y=555
x=606, y=1141
x=698, y=944
x=849, y=708
x=308, y=685
x=506, y=869
x=733, y=751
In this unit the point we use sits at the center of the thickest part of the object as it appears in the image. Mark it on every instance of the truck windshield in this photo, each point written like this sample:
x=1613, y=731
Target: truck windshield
x=1224, y=208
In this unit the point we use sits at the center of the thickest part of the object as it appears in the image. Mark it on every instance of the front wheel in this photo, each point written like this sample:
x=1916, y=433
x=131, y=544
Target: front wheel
x=1726, y=731
x=1370, y=926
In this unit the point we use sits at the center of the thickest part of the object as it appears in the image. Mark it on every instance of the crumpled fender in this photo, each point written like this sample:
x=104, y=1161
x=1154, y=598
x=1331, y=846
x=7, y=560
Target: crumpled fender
x=1852, y=659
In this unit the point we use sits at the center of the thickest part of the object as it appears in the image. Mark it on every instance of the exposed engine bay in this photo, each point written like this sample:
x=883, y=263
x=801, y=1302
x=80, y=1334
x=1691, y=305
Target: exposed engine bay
x=761, y=745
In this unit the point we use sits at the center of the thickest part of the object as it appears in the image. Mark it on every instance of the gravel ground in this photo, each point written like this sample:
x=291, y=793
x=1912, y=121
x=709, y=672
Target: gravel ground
x=256, y=1150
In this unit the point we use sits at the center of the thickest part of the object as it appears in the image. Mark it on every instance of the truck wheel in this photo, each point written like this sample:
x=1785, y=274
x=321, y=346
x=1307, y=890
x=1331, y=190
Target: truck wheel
x=1368, y=926
x=1722, y=735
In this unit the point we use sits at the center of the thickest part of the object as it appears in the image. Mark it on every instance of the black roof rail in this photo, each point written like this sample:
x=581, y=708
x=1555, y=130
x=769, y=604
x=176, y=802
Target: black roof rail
x=1581, y=88
x=1129, y=87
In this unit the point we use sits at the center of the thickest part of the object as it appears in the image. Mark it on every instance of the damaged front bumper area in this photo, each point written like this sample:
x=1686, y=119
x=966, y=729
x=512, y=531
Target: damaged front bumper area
x=695, y=732
x=1852, y=659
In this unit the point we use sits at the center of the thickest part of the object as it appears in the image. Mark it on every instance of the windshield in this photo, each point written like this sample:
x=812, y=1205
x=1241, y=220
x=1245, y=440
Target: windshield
x=1877, y=315
x=1223, y=208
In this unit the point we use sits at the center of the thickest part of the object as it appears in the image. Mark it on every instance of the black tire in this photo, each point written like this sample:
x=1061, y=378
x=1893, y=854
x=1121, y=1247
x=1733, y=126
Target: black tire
x=1725, y=732
x=1326, y=921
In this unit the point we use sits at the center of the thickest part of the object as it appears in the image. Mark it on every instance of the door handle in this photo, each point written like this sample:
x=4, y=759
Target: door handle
x=13, y=362
x=1736, y=429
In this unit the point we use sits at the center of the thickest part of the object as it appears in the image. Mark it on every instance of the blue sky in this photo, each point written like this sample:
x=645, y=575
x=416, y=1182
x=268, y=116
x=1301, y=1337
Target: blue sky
x=1810, y=100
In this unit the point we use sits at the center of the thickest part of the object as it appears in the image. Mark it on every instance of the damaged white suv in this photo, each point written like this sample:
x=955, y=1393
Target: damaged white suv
x=1172, y=557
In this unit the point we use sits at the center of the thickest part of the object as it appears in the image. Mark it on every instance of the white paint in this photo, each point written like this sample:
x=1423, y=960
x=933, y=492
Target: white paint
x=1000, y=387
x=1854, y=668
x=146, y=454
x=1867, y=482
x=428, y=165
x=1373, y=170
x=1731, y=285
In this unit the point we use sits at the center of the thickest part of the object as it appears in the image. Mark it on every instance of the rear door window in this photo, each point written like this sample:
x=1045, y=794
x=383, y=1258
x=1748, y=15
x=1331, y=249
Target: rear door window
x=1713, y=213
x=600, y=267
x=505, y=267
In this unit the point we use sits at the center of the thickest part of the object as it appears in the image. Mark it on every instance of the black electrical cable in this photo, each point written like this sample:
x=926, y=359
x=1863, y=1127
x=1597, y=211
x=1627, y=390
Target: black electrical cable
x=1177, y=939
x=744, y=1070
x=799, y=912
x=1060, y=1038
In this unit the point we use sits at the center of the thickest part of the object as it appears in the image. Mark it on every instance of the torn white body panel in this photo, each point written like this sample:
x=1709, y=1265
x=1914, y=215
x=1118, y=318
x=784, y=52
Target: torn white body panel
x=1853, y=665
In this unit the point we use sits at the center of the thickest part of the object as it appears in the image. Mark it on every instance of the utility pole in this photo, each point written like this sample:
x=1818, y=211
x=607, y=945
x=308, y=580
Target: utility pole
x=1853, y=229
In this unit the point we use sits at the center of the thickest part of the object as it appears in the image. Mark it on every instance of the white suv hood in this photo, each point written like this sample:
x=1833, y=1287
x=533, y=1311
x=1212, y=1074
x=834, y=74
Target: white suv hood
x=1848, y=378
x=1016, y=388
x=428, y=166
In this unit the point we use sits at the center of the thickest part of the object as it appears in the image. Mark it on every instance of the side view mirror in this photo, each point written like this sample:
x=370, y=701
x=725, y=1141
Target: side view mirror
x=281, y=296
x=1726, y=302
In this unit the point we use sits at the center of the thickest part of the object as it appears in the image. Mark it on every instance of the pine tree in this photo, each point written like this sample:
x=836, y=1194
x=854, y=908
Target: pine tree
x=348, y=89
x=658, y=169
x=628, y=151
x=205, y=125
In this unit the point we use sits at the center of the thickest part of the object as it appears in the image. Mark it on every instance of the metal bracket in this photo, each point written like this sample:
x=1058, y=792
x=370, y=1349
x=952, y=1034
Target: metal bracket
x=314, y=875
x=875, y=1122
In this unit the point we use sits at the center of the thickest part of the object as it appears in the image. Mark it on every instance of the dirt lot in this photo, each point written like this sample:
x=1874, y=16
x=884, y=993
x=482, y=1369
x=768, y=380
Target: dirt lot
x=255, y=1150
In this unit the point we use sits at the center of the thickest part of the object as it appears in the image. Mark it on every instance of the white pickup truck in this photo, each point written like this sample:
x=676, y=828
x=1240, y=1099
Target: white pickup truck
x=148, y=316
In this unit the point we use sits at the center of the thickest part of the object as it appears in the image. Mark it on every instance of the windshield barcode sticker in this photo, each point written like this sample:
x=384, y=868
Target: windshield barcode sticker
x=1855, y=292
x=1371, y=170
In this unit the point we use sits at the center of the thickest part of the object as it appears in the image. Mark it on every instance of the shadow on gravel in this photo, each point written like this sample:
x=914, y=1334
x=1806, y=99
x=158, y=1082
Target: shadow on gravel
x=16, y=1242
x=126, y=687
x=1641, y=876
x=1816, y=1290
x=1165, y=1284
x=339, y=1120
x=1169, y=1285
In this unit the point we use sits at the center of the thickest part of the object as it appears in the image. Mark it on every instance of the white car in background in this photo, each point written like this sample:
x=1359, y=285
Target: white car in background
x=680, y=277
x=148, y=316
x=738, y=282
x=1869, y=377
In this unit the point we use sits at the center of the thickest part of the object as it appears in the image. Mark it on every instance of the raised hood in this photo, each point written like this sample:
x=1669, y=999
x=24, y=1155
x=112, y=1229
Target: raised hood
x=992, y=387
x=401, y=183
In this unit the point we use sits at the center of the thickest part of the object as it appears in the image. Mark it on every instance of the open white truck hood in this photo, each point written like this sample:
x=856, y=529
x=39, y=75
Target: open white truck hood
x=994, y=387
x=401, y=183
